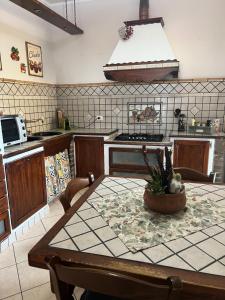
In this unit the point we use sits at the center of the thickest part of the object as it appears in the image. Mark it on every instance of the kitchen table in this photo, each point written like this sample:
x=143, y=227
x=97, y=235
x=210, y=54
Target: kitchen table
x=83, y=236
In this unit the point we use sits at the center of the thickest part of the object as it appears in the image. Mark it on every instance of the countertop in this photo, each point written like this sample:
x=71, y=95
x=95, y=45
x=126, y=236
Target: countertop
x=185, y=134
x=23, y=147
x=111, y=133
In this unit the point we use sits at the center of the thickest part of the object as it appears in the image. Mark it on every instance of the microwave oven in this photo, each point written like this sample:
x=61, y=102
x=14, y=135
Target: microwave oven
x=12, y=131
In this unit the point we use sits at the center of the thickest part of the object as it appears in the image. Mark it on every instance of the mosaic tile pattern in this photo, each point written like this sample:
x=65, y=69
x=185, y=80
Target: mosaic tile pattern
x=202, y=251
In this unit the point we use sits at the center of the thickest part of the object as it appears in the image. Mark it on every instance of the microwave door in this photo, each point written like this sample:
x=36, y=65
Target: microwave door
x=10, y=131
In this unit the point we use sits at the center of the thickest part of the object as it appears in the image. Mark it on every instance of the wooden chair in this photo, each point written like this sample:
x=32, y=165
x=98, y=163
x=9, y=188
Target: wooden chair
x=73, y=187
x=194, y=176
x=103, y=282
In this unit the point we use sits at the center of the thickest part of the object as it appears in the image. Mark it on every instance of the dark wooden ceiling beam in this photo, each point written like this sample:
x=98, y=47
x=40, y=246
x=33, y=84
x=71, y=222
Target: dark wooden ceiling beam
x=48, y=15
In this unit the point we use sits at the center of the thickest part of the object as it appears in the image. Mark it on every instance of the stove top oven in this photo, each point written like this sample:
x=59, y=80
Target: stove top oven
x=126, y=159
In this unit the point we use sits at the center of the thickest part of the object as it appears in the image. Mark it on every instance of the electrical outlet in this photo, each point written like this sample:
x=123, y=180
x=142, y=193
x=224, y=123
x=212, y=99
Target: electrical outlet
x=99, y=118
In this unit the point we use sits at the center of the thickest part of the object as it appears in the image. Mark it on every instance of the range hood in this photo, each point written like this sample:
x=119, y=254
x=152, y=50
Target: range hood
x=146, y=55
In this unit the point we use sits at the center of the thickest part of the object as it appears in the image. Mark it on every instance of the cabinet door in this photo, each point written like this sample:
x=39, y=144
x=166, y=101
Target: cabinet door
x=26, y=187
x=192, y=154
x=89, y=156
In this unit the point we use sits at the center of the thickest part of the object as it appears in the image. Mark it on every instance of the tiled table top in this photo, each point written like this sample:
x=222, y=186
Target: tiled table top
x=202, y=251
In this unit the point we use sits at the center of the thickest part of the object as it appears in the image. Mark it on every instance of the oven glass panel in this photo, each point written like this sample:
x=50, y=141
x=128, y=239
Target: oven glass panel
x=133, y=158
x=10, y=131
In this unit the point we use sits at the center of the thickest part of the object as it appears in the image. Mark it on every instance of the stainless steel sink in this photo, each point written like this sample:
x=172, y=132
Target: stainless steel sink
x=46, y=133
x=31, y=138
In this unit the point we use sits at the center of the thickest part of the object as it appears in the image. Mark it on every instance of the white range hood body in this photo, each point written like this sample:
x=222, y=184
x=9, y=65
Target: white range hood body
x=148, y=43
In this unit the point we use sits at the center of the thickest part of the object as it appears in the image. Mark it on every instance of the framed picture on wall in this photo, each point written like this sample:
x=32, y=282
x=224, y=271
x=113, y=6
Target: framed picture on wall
x=34, y=60
x=0, y=62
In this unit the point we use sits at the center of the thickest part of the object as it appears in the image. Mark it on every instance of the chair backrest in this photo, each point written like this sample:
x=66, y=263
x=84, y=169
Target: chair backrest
x=110, y=283
x=73, y=187
x=192, y=175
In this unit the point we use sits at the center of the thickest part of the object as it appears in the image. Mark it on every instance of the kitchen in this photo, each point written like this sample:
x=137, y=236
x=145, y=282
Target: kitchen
x=73, y=80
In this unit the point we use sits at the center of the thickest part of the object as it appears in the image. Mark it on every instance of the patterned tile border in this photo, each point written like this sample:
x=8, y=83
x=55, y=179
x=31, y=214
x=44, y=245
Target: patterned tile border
x=15, y=87
x=157, y=88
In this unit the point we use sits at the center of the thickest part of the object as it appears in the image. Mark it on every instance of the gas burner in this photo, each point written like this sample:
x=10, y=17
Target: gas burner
x=140, y=137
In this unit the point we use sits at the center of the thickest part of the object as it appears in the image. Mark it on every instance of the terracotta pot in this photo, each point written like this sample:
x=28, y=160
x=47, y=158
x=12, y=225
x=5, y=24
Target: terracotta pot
x=165, y=204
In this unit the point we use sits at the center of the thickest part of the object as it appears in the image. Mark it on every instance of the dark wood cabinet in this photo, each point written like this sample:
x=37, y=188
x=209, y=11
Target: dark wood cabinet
x=130, y=161
x=89, y=156
x=57, y=144
x=191, y=154
x=26, y=187
x=4, y=215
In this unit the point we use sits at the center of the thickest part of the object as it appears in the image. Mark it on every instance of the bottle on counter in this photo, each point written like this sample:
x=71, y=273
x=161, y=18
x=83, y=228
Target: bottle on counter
x=60, y=118
x=66, y=123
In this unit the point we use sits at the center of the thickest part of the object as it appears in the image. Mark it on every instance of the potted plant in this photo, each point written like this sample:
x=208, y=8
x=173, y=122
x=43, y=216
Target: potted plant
x=164, y=192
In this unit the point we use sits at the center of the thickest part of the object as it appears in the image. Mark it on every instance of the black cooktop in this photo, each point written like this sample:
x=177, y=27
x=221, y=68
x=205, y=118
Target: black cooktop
x=140, y=137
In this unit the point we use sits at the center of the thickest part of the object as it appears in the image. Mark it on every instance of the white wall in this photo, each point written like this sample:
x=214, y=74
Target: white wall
x=16, y=27
x=196, y=31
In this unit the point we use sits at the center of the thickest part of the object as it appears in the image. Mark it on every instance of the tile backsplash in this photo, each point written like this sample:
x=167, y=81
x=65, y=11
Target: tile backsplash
x=32, y=100
x=202, y=99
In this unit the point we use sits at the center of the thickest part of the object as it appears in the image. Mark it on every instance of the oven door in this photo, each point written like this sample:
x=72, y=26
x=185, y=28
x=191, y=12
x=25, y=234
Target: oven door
x=130, y=161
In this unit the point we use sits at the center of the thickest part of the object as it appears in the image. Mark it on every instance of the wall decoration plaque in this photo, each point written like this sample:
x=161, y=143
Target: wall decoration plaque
x=34, y=60
x=15, y=54
x=144, y=113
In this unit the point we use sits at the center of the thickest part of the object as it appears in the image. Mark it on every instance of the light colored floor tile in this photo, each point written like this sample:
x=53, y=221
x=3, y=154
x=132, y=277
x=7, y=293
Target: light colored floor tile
x=36, y=230
x=42, y=292
x=22, y=248
x=9, y=282
x=15, y=297
x=7, y=258
x=31, y=277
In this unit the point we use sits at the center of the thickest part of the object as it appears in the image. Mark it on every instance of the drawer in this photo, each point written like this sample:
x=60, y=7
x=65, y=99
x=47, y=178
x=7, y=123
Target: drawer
x=2, y=189
x=3, y=204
